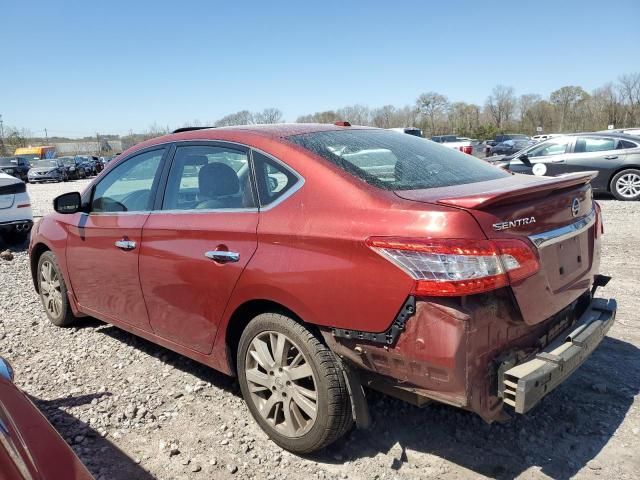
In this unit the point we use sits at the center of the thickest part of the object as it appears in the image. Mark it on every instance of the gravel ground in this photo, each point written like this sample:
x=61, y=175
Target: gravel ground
x=134, y=410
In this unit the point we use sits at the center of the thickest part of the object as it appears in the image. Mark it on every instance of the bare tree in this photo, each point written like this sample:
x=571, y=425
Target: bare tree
x=355, y=114
x=243, y=117
x=432, y=105
x=501, y=104
x=629, y=87
x=268, y=115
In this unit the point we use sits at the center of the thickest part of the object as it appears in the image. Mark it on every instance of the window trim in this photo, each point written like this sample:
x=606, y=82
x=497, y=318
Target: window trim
x=164, y=181
x=154, y=186
x=294, y=188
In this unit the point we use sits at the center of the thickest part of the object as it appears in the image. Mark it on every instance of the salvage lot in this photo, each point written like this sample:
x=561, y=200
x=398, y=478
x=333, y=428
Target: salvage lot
x=132, y=409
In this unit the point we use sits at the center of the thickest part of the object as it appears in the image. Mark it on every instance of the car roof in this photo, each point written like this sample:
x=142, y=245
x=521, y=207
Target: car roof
x=602, y=134
x=274, y=131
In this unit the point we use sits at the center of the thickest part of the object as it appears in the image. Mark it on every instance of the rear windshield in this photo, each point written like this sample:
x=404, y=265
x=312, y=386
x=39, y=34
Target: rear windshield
x=8, y=161
x=397, y=162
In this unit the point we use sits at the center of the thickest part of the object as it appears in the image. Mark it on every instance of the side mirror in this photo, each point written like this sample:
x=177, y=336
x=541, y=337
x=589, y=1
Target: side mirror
x=68, y=203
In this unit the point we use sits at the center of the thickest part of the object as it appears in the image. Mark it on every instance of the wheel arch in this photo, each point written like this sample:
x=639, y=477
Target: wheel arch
x=241, y=317
x=36, y=252
x=618, y=170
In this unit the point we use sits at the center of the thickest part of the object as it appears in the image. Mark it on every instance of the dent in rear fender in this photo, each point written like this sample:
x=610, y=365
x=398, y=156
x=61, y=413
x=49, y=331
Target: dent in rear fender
x=430, y=354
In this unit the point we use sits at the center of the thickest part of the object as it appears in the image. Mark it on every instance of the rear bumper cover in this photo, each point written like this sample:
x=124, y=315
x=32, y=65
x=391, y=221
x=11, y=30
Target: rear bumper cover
x=18, y=225
x=525, y=384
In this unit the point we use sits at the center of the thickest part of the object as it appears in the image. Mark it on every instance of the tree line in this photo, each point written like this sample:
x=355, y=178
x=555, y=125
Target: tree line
x=568, y=109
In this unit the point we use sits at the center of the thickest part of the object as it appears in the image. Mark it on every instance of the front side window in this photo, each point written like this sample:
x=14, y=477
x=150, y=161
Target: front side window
x=594, y=144
x=550, y=147
x=397, y=162
x=128, y=187
x=204, y=177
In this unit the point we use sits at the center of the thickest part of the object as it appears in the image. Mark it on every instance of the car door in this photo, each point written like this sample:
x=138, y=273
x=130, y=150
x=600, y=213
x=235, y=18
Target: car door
x=103, y=245
x=546, y=158
x=199, y=240
x=597, y=153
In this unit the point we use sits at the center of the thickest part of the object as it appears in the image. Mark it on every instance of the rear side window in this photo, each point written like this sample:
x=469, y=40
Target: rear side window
x=622, y=144
x=207, y=177
x=397, y=162
x=594, y=144
x=274, y=179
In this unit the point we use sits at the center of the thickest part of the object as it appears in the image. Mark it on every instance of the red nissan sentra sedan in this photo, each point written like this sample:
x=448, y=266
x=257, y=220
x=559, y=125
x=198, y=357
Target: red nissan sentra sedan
x=30, y=448
x=312, y=260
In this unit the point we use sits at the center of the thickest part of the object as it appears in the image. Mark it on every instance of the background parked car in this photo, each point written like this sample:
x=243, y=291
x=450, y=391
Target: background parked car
x=416, y=132
x=52, y=170
x=503, y=137
x=465, y=145
x=510, y=146
x=74, y=167
x=15, y=166
x=15, y=209
x=544, y=136
x=615, y=156
x=30, y=448
x=88, y=164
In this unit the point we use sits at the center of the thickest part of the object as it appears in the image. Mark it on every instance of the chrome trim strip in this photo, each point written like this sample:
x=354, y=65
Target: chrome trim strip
x=557, y=235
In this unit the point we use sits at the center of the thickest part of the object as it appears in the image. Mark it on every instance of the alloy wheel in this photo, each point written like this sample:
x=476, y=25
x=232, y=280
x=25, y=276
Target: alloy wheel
x=281, y=383
x=628, y=185
x=50, y=289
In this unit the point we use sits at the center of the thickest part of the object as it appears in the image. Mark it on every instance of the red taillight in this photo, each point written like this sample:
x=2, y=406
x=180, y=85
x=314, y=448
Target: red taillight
x=458, y=267
x=468, y=149
x=599, y=227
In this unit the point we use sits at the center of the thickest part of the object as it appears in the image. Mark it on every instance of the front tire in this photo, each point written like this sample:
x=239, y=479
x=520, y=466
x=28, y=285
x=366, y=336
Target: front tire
x=293, y=384
x=625, y=185
x=53, y=291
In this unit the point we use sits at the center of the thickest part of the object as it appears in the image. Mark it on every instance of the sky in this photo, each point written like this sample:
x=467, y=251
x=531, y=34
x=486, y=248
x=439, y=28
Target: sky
x=81, y=67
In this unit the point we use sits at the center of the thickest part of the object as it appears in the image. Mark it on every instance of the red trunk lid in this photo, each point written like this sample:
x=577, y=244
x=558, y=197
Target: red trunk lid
x=556, y=215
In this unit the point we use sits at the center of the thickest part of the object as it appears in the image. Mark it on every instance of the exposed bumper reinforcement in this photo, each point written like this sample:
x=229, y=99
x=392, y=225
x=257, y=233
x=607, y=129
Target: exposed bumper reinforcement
x=527, y=383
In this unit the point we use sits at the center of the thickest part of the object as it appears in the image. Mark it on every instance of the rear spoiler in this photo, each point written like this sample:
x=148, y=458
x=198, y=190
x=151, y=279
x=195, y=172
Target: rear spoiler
x=519, y=190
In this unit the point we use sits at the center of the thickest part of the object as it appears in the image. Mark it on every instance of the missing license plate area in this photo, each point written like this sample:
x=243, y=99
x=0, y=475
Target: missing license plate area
x=569, y=255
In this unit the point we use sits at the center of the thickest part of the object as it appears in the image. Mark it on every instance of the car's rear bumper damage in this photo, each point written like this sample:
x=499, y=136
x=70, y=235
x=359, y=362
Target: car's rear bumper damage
x=476, y=353
x=525, y=384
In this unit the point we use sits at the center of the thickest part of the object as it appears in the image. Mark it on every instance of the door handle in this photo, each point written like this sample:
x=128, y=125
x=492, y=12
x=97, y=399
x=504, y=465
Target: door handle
x=125, y=244
x=223, y=256
x=557, y=160
x=611, y=157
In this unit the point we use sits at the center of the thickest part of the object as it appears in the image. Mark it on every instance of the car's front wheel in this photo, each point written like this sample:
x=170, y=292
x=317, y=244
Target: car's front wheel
x=625, y=185
x=53, y=291
x=293, y=384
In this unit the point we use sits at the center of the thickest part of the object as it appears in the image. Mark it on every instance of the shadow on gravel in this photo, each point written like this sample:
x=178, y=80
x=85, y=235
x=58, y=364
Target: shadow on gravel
x=202, y=372
x=99, y=455
x=559, y=437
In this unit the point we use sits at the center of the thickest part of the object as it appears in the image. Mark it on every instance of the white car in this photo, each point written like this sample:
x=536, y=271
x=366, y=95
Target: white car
x=16, y=218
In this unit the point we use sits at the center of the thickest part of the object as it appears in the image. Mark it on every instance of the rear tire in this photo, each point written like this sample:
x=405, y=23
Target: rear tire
x=625, y=185
x=53, y=291
x=293, y=384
